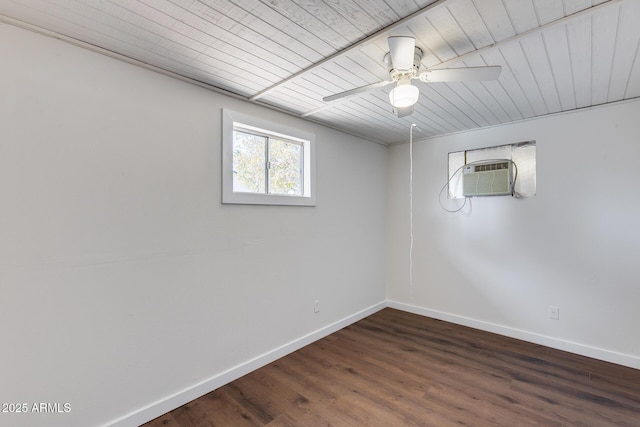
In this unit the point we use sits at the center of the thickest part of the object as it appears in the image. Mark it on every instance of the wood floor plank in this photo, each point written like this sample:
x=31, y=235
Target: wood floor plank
x=166, y=420
x=300, y=390
x=214, y=409
x=257, y=399
x=399, y=369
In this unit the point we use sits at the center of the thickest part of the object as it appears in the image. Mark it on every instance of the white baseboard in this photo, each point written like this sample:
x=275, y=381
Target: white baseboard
x=169, y=403
x=572, y=347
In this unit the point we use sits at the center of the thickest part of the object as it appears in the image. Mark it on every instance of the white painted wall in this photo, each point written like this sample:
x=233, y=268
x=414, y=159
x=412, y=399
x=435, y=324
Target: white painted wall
x=124, y=281
x=500, y=263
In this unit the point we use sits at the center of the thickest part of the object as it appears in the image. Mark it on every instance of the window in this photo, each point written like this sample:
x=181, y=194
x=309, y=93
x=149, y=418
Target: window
x=266, y=163
x=263, y=164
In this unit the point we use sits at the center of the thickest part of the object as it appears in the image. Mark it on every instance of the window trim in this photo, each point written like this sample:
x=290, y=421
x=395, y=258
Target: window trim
x=231, y=119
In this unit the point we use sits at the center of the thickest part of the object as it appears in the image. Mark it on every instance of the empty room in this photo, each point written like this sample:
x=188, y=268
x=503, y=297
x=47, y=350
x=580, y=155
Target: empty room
x=319, y=213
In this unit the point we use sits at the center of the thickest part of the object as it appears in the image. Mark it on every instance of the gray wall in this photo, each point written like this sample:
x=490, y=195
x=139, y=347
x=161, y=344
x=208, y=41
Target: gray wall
x=125, y=282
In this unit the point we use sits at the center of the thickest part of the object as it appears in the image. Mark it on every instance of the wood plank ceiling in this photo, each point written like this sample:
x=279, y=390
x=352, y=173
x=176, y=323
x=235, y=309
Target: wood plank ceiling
x=556, y=55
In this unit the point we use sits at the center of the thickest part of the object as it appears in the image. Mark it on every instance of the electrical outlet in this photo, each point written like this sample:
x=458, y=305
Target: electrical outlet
x=316, y=306
x=554, y=312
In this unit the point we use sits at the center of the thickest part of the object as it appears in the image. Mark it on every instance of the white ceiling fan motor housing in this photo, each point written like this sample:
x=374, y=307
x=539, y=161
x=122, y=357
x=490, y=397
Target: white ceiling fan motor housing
x=396, y=73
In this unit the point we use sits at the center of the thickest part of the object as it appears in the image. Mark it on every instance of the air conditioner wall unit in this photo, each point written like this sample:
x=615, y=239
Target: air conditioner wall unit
x=487, y=179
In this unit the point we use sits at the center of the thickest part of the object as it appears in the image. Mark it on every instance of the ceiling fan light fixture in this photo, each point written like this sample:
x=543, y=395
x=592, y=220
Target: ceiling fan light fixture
x=404, y=95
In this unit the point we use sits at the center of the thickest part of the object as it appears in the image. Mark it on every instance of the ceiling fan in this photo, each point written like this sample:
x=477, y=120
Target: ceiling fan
x=403, y=62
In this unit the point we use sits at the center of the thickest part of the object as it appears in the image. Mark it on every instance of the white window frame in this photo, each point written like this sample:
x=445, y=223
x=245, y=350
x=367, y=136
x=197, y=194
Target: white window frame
x=232, y=119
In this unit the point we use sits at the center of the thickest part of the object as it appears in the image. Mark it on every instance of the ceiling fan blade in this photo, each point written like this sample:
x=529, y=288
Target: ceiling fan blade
x=461, y=74
x=401, y=49
x=356, y=91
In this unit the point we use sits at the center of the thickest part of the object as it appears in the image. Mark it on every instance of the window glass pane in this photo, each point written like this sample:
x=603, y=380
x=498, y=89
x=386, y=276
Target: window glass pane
x=249, y=166
x=285, y=167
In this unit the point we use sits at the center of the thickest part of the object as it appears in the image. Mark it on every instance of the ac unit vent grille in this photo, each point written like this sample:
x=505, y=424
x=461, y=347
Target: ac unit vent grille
x=491, y=167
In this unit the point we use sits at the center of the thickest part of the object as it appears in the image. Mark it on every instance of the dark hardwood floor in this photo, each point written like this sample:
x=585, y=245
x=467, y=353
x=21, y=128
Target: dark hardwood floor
x=399, y=369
